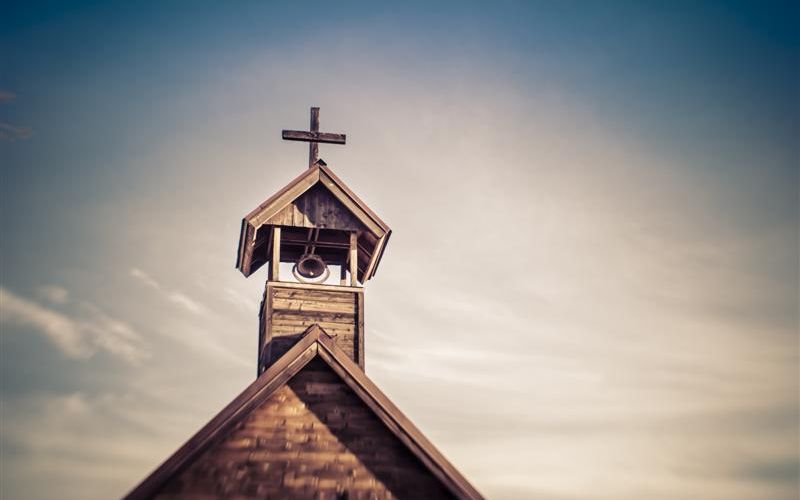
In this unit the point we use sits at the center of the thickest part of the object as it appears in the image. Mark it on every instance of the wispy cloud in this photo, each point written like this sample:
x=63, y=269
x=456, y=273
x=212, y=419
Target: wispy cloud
x=44, y=431
x=174, y=296
x=78, y=336
x=240, y=300
x=9, y=132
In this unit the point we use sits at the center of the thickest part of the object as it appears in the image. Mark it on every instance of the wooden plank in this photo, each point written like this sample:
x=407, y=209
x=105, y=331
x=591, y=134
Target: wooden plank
x=309, y=286
x=331, y=294
x=343, y=338
x=330, y=317
x=298, y=305
x=374, y=258
x=282, y=318
x=353, y=259
x=314, y=295
x=293, y=327
x=317, y=208
x=266, y=348
x=360, y=332
x=314, y=137
x=314, y=306
x=313, y=148
x=379, y=253
x=275, y=261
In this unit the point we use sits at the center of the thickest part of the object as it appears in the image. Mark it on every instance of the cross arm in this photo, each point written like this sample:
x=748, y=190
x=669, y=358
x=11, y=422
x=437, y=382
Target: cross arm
x=299, y=135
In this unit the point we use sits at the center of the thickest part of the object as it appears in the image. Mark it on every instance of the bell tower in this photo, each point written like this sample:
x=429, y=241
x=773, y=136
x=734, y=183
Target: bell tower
x=316, y=225
x=312, y=424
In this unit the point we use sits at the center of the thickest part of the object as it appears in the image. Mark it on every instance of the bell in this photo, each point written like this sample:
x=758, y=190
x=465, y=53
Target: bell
x=311, y=266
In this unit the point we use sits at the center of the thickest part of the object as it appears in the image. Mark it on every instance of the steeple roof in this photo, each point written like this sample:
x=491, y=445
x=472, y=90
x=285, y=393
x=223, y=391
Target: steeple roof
x=283, y=209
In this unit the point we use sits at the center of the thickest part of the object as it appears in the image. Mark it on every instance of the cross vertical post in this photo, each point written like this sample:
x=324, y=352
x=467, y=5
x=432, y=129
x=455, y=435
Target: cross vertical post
x=313, y=147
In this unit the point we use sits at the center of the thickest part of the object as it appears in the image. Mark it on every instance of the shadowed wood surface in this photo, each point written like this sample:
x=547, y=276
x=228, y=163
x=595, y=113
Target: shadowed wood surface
x=319, y=346
x=317, y=208
x=313, y=438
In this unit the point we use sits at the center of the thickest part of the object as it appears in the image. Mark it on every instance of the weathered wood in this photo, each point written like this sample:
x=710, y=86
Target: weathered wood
x=394, y=419
x=351, y=205
x=314, y=137
x=275, y=262
x=317, y=208
x=253, y=444
x=360, y=332
x=314, y=306
x=353, y=259
x=371, y=229
x=290, y=308
x=327, y=443
x=331, y=294
x=313, y=147
x=330, y=288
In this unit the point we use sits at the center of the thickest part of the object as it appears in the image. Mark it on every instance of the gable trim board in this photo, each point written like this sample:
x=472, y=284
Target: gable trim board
x=253, y=222
x=315, y=343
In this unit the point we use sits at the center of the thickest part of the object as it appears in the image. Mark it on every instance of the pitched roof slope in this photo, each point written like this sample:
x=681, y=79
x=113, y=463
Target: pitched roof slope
x=398, y=461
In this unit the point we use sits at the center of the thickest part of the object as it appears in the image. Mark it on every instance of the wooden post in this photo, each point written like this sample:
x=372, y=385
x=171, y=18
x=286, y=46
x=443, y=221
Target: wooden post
x=275, y=261
x=353, y=259
x=313, y=147
x=360, y=329
x=343, y=274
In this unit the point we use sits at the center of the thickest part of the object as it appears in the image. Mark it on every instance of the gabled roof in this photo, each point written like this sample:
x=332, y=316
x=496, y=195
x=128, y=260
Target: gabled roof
x=253, y=237
x=315, y=345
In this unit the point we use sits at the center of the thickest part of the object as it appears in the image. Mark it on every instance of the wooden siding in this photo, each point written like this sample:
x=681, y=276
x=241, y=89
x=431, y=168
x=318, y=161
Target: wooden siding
x=312, y=438
x=289, y=309
x=317, y=208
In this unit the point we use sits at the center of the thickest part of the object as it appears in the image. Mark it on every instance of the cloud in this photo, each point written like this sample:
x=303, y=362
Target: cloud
x=7, y=96
x=58, y=328
x=240, y=300
x=174, y=296
x=185, y=301
x=91, y=445
x=78, y=336
x=145, y=278
x=13, y=133
x=54, y=294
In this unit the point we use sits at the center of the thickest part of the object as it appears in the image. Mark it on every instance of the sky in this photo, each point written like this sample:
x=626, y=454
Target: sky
x=591, y=290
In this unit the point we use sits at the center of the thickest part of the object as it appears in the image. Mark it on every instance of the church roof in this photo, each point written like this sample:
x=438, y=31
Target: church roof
x=255, y=238
x=315, y=347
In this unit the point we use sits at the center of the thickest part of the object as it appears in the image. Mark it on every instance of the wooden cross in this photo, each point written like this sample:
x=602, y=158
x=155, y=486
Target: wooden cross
x=314, y=137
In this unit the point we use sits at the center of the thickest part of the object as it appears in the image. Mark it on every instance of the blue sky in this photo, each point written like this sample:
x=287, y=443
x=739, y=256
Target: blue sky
x=640, y=158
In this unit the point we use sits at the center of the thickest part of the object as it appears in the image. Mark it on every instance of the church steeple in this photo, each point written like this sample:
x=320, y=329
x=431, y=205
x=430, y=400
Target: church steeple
x=312, y=424
x=315, y=224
